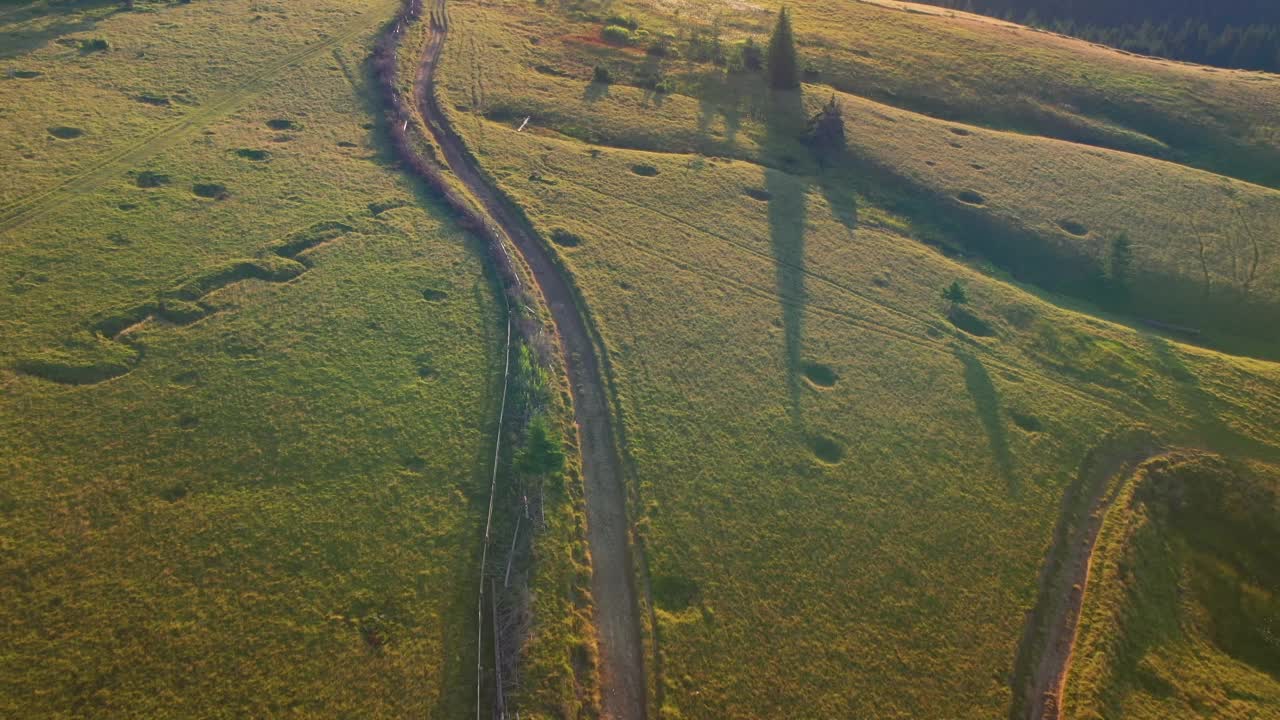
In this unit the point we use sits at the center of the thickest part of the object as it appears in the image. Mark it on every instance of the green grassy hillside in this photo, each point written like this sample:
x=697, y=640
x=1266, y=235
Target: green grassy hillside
x=265, y=497
x=845, y=489
x=1046, y=210
x=1180, y=615
x=249, y=370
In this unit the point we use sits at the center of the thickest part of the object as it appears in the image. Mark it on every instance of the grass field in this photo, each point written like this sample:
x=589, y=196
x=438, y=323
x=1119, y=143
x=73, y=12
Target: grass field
x=1181, y=613
x=1025, y=203
x=265, y=498
x=845, y=491
x=249, y=369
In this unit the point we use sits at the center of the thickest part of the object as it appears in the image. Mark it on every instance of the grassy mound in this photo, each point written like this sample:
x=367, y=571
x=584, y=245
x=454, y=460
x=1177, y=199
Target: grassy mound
x=1182, y=614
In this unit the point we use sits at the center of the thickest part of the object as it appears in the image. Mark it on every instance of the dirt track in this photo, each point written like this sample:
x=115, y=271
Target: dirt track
x=616, y=612
x=1044, y=699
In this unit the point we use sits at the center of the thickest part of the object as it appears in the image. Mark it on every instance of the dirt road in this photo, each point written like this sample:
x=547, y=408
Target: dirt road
x=1067, y=592
x=612, y=584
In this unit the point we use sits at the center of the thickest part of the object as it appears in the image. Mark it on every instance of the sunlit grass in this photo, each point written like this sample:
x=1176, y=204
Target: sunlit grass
x=276, y=509
x=844, y=498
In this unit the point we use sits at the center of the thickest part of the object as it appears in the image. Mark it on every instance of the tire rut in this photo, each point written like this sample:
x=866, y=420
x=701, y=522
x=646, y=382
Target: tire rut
x=623, y=690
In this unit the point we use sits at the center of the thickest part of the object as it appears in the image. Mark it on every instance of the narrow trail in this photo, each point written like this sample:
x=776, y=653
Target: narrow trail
x=612, y=583
x=1065, y=589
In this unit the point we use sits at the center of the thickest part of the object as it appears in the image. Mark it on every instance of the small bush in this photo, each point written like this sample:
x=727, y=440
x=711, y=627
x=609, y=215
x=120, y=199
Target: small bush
x=251, y=154
x=94, y=45
x=617, y=35
x=601, y=75
x=955, y=293
x=662, y=48
x=629, y=23
x=746, y=57
x=705, y=46
x=826, y=130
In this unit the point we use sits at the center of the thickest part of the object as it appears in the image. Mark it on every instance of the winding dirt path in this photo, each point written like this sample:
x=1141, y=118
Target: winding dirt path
x=1066, y=594
x=612, y=584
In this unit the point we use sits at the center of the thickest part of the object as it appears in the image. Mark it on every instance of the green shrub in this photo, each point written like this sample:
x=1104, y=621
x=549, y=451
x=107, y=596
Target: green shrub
x=704, y=46
x=617, y=35
x=94, y=45
x=746, y=57
x=782, y=55
x=629, y=23
x=602, y=75
x=661, y=47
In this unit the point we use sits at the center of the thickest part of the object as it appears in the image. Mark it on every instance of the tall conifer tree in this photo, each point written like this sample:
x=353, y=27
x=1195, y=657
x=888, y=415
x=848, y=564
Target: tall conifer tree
x=784, y=72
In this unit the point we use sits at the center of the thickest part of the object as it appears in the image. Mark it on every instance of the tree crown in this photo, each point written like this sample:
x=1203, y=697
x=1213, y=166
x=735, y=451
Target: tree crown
x=781, y=59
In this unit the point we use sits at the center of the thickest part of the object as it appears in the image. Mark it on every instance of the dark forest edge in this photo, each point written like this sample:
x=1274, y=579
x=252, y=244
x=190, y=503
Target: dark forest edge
x=1230, y=34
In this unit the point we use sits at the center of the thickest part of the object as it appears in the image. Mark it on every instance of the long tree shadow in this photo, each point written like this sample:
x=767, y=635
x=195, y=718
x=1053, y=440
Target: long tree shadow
x=837, y=189
x=595, y=92
x=1205, y=420
x=784, y=125
x=986, y=401
x=728, y=96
